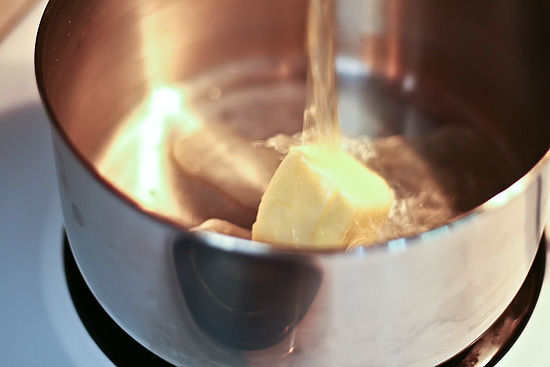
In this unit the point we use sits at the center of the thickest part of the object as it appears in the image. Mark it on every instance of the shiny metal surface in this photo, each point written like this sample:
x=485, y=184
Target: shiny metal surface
x=222, y=301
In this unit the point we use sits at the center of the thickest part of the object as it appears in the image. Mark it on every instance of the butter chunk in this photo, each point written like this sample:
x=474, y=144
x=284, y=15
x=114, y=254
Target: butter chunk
x=321, y=197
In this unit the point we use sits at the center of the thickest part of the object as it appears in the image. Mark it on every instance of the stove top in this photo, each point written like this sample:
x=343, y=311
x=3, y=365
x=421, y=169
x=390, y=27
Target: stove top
x=38, y=320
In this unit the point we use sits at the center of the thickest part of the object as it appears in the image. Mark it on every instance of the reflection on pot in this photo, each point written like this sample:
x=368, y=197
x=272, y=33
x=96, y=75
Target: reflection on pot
x=242, y=301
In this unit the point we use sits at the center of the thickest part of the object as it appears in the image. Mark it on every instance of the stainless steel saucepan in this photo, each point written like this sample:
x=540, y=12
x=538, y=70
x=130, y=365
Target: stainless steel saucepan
x=455, y=91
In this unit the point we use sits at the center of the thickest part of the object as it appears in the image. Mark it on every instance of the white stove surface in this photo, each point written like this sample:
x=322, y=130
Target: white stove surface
x=38, y=323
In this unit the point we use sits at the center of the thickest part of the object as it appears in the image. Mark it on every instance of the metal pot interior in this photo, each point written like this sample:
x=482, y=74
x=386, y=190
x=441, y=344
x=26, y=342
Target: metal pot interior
x=121, y=78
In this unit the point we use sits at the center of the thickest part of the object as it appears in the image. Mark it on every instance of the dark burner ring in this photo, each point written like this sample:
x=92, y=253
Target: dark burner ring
x=117, y=345
x=123, y=350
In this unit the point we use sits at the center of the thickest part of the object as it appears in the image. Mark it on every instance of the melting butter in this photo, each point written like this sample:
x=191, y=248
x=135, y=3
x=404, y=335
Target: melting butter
x=321, y=197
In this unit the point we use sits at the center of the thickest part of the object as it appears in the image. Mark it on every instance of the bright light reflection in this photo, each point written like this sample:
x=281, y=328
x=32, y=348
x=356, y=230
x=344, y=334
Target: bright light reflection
x=164, y=111
x=506, y=195
x=398, y=245
x=137, y=159
x=409, y=83
x=165, y=100
x=351, y=66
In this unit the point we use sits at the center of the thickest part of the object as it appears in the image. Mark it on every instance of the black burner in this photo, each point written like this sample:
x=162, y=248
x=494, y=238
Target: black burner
x=123, y=350
x=117, y=345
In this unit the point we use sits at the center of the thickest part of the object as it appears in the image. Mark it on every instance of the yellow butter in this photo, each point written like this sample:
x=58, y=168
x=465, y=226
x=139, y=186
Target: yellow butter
x=322, y=197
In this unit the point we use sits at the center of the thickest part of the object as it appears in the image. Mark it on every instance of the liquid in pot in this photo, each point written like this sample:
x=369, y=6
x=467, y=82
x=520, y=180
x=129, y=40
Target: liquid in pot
x=207, y=148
